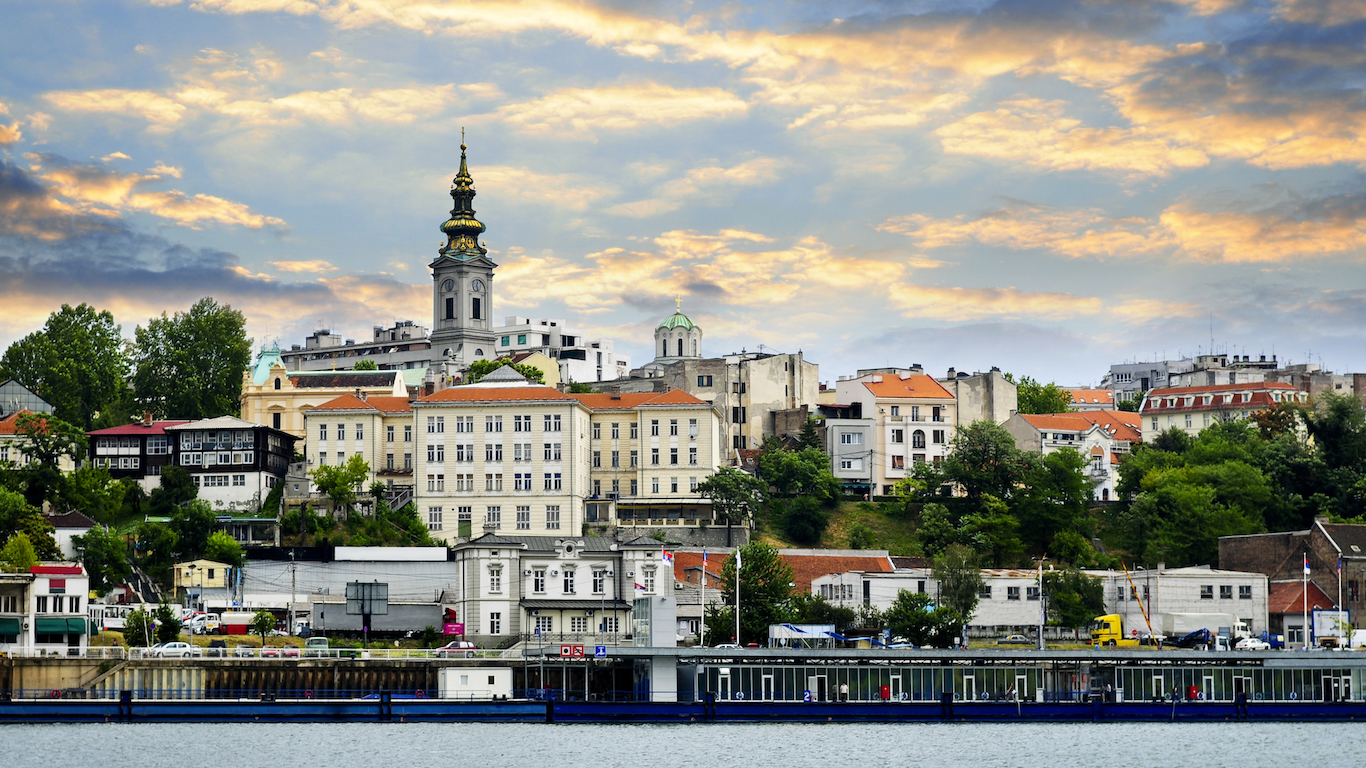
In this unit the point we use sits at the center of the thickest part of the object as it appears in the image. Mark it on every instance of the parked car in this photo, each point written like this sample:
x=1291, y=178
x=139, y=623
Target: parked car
x=244, y=652
x=217, y=649
x=1252, y=644
x=727, y=646
x=177, y=650
x=1015, y=640
x=316, y=646
x=455, y=648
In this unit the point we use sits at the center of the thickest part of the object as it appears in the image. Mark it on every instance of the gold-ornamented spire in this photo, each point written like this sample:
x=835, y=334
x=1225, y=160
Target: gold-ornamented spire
x=462, y=229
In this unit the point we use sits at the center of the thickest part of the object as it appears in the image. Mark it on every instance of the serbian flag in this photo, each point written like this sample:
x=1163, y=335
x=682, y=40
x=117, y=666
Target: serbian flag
x=666, y=557
x=1306, y=564
x=640, y=587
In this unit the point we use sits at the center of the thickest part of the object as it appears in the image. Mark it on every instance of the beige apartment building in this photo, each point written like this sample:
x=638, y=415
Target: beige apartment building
x=379, y=429
x=1191, y=409
x=913, y=421
x=279, y=398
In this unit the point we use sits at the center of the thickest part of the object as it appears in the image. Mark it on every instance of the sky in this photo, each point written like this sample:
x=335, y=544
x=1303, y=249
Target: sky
x=1048, y=187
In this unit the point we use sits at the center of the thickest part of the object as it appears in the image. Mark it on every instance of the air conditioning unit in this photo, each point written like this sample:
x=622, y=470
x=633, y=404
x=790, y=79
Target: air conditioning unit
x=677, y=585
x=554, y=573
x=527, y=572
x=535, y=613
x=612, y=495
x=630, y=574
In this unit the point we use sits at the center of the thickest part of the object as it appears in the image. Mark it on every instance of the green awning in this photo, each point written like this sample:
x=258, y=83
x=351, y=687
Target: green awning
x=51, y=627
x=10, y=626
x=75, y=626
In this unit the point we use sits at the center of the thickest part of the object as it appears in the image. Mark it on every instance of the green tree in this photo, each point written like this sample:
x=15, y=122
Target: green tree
x=862, y=537
x=93, y=492
x=262, y=623
x=1131, y=404
x=342, y=483
x=1054, y=497
x=76, y=363
x=17, y=556
x=1034, y=397
x=47, y=440
x=137, y=629
x=177, y=489
x=805, y=608
x=481, y=368
x=580, y=388
x=914, y=616
x=105, y=556
x=168, y=626
x=959, y=579
x=190, y=366
x=193, y=524
x=1074, y=598
x=365, y=365
x=222, y=548
x=155, y=551
x=984, y=460
x=734, y=495
x=18, y=516
x=938, y=530
x=993, y=533
x=805, y=521
x=765, y=586
x=810, y=437
x=798, y=473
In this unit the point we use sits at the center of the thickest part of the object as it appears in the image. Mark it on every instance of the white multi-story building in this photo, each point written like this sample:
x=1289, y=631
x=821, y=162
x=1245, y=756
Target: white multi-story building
x=580, y=359
x=913, y=420
x=1195, y=589
x=1191, y=409
x=44, y=610
x=379, y=429
x=1104, y=438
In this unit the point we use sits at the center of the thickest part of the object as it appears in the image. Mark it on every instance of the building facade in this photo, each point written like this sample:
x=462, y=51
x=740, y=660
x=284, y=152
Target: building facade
x=403, y=346
x=579, y=358
x=278, y=398
x=15, y=397
x=379, y=429
x=43, y=611
x=1191, y=409
x=235, y=463
x=1103, y=438
x=462, y=283
x=913, y=419
x=135, y=451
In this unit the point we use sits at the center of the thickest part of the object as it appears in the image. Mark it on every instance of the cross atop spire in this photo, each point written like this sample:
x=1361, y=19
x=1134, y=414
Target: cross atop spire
x=678, y=302
x=462, y=229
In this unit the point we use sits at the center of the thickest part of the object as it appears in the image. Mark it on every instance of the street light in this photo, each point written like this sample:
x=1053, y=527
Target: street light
x=192, y=568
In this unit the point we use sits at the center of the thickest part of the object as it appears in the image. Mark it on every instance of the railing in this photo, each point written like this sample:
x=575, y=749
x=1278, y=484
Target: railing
x=96, y=652
x=294, y=653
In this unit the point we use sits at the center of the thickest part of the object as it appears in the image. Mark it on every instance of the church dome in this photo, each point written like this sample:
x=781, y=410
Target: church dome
x=676, y=320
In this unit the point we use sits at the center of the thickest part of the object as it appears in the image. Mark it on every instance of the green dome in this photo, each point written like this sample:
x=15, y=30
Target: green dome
x=677, y=320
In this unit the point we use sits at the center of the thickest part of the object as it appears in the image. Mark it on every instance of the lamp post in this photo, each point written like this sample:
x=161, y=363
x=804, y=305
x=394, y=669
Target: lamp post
x=1040, y=560
x=190, y=582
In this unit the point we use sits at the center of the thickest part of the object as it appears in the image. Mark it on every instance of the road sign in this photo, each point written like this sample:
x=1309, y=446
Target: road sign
x=566, y=651
x=600, y=651
x=578, y=651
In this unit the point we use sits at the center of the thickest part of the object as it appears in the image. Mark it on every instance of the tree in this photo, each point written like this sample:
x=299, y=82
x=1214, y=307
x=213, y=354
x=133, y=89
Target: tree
x=193, y=524
x=1054, y=497
x=1033, y=397
x=579, y=388
x=765, y=586
x=47, y=441
x=137, y=628
x=262, y=623
x=805, y=521
x=155, y=550
x=168, y=626
x=798, y=473
x=734, y=495
x=809, y=437
x=984, y=460
x=913, y=616
x=959, y=580
x=862, y=537
x=222, y=548
x=76, y=363
x=190, y=366
x=993, y=533
x=341, y=483
x=481, y=368
x=105, y=556
x=92, y=491
x=806, y=608
x=177, y=488
x=1131, y=404
x=1074, y=598
x=17, y=556
x=365, y=365
x=17, y=516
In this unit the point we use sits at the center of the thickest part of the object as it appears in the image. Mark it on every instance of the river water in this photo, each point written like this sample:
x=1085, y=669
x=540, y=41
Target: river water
x=715, y=746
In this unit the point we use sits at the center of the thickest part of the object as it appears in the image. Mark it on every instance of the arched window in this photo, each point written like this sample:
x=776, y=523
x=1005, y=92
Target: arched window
x=664, y=348
x=694, y=347
x=918, y=438
x=1104, y=494
x=277, y=382
x=680, y=346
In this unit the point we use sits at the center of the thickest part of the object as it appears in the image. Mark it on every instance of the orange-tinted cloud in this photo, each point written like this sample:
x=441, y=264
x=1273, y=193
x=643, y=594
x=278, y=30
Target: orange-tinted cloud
x=619, y=107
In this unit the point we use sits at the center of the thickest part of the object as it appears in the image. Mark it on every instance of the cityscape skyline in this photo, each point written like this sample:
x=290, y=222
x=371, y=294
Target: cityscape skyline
x=1045, y=187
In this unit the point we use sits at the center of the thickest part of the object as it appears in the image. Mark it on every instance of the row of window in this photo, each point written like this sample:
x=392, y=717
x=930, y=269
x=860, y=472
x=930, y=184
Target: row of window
x=219, y=481
x=217, y=440
x=522, y=481
x=465, y=453
x=436, y=425
x=918, y=437
x=43, y=604
x=1207, y=592
x=493, y=517
x=1012, y=593
x=157, y=445
x=568, y=582
x=615, y=458
x=122, y=462
x=545, y=625
x=936, y=412
x=216, y=459
x=899, y=462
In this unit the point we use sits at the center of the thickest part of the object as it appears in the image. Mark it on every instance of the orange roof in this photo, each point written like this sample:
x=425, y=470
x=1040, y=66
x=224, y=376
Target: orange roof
x=604, y=401
x=477, y=394
x=1288, y=597
x=1070, y=421
x=692, y=561
x=1118, y=425
x=806, y=568
x=7, y=423
x=915, y=385
x=1093, y=396
x=390, y=404
x=1258, y=397
x=387, y=404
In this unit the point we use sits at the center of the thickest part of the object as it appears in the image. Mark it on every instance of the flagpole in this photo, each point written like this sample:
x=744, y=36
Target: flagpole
x=737, y=595
x=702, y=628
x=1343, y=634
x=1304, y=592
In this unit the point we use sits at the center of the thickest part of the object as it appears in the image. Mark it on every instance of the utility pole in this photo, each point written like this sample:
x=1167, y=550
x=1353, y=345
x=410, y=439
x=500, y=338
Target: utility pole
x=1041, y=608
x=293, y=588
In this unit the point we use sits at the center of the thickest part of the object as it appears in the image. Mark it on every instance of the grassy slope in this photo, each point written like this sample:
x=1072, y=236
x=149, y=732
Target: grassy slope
x=894, y=530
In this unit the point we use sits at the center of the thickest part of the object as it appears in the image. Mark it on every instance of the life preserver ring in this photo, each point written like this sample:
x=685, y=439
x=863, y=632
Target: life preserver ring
x=308, y=694
x=56, y=693
x=986, y=696
x=1294, y=695
x=420, y=693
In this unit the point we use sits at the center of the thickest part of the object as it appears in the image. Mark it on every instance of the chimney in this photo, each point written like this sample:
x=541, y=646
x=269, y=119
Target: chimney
x=146, y=418
x=952, y=373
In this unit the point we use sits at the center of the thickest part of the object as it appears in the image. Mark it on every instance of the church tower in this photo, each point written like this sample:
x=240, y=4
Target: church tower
x=462, y=281
x=677, y=338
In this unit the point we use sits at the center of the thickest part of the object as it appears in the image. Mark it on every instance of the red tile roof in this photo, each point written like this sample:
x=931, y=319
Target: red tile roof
x=139, y=428
x=1256, y=395
x=604, y=401
x=806, y=568
x=477, y=394
x=684, y=562
x=1093, y=396
x=915, y=385
x=390, y=404
x=383, y=404
x=1288, y=597
x=7, y=424
x=1118, y=425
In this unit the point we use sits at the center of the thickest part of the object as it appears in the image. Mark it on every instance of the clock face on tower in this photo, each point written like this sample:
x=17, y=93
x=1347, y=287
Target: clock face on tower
x=477, y=285
x=449, y=285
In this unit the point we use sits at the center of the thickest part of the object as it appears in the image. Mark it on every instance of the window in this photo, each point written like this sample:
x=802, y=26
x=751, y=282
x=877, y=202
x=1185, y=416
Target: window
x=493, y=516
x=503, y=342
x=599, y=581
x=851, y=438
x=552, y=517
x=692, y=484
x=635, y=430
x=984, y=593
x=433, y=518
x=408, y=433
x=1245, y=591
x=552, y=481
x=538, y=580
x=1012, y=593
x=899, y=436
x=654, y=427
x=634, y=487
x=896, y=410
x=673, y=485
x=462, y=424
x=239, y=481
x=388, y=434
x=650, y=580
x=568, y=582
x=692, y=456
x=464, y=453
x=597, y=488
x=654, y=485
x=40, y=604
x=578, y=624
x=493, y=452
x=673, y=427
x=915, y=413
x=552, y=424
x=436, y=424
x=597, y=431
x=1119, y=593
x=654, y=457
x=495, y=623
x=476, y=309
x=1154, y=422
x=156, y=446
x=275, y=420
x=616, y=458
x=388, y=461
x=597, y=459
x=493, y=423
x=616, y=431
x=521, y=338
x=1031, y=593
x=341, y=432
x=407, y=462
x=545, y=625
x=436, y=483
x=938, y=437
x=608, y=624
x=436, y=452
x=936, y=413
x=898, y=462
x=322, y=432
x=673, y=456
x=524, y=518
x=521, y=423
x=917, y=439
x=1225, y=591
x=704, y=381
x=1207, y=592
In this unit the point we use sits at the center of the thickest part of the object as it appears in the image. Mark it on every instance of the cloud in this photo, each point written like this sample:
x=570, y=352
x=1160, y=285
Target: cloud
x=710, y=184
x=956, y=304
x=102, y=192
x=1324, y=13
x=1035, y=132
x=10, y=134
x=315, y=265
x=570, y=191
x=152, y=107
x=619, y=107
x=1076, y=233
x=118, y=156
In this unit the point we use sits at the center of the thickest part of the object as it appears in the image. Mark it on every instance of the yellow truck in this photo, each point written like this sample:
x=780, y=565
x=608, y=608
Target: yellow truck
x=1108, y=631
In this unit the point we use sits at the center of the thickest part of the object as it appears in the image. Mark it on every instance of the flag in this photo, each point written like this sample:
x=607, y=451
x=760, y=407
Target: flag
x=737, y=561
x=640, y=587
x=1306, y=564
x=1339, y=565
x=666, y=557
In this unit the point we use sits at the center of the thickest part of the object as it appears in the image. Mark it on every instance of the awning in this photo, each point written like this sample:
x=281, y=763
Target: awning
x=10, y=626
x=50, y=627
x=75, y=626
